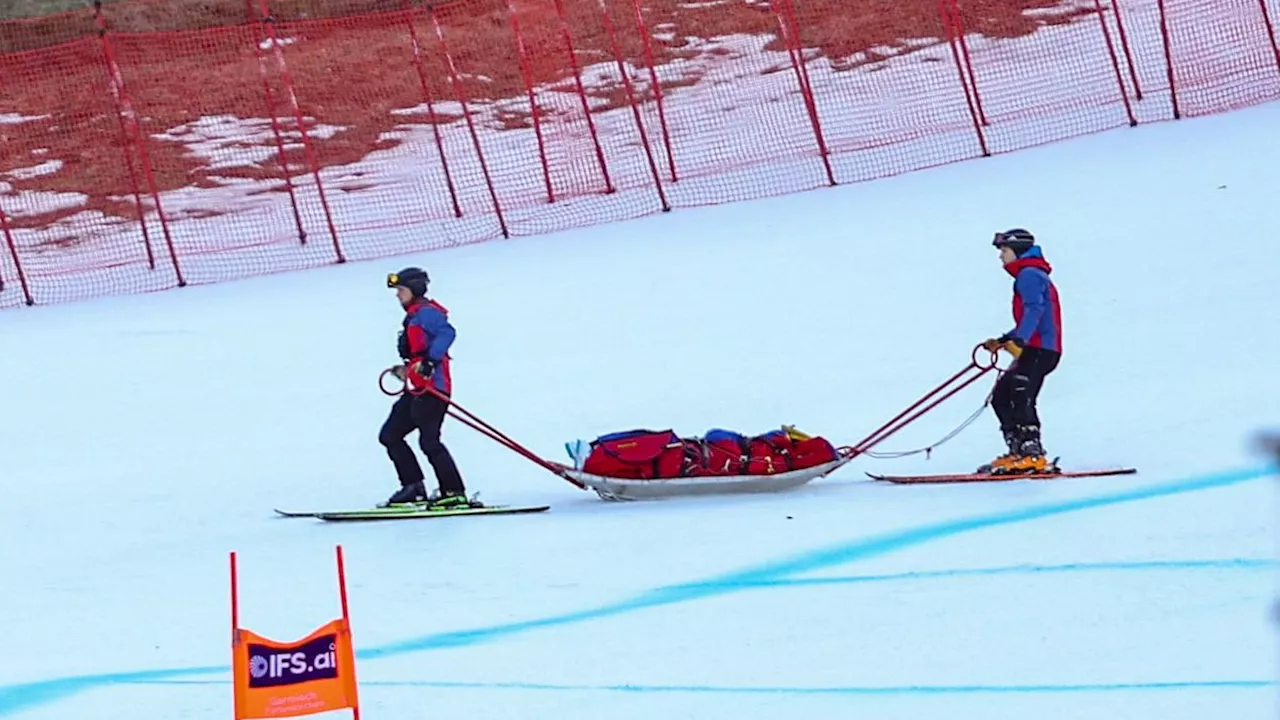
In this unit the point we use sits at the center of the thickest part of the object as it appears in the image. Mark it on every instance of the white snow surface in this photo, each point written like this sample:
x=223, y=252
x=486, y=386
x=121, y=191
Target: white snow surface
x=144, y=437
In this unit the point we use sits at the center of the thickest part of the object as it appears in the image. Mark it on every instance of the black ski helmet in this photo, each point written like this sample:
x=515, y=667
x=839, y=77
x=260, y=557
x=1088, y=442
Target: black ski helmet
x=1018, y=240
x=414, y=278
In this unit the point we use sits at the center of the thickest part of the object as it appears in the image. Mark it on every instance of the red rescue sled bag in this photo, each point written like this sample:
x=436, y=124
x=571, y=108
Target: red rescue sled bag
x=812, y=452
x=770, y=453
x=637, y=455
x=725, y=453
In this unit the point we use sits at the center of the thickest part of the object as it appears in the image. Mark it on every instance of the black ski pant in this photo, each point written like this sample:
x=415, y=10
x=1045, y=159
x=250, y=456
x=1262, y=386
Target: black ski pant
x=424, y=413
x=1015, y=394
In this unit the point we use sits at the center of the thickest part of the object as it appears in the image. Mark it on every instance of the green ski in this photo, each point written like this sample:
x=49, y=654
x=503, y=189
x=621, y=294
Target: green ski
x=409, y=511
x=389, y=510
x=417, y=514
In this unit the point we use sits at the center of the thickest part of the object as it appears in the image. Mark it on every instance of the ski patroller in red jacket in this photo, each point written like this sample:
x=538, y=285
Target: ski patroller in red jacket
x=428, y=334
x=1036, y=312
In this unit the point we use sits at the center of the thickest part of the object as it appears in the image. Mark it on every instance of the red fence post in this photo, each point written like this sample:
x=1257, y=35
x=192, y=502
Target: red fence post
x=137, y=191
x=1168, y=59
x=635, y=109
x=460, y=93
x=948, y=29
x=582, y=94
x=124, y=107
x=791, y=38
x=533, y=103
x=268, y=24
x=647, y=42
x=958, y=26
x=17, y=264
x=1128, y=53
x=1115, y=62
x=431, y=107
x=269, y=98
x=1271, y=31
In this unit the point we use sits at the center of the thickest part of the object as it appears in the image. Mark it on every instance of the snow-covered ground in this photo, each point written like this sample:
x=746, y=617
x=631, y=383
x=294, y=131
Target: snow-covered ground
x=144, y=437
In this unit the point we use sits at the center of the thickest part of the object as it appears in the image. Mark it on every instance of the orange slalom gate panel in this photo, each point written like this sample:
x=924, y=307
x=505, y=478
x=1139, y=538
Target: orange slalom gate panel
x=274, y=679
x=314, y=675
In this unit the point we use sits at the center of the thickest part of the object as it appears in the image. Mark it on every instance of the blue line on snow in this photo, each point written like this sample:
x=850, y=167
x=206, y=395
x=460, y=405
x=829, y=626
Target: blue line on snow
x=801, y=690
x=860, y=549
x=1146, y=565
x=146, y=678
x=14, y=698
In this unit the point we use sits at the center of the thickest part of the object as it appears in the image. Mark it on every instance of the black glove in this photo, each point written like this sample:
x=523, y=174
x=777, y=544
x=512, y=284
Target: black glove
x=424, y=367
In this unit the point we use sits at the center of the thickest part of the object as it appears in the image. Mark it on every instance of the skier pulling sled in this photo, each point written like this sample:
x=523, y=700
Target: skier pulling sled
x=1035, y=342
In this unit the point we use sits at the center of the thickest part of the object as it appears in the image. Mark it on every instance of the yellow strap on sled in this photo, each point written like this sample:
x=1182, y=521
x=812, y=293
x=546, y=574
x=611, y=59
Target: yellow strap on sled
x=795, y=434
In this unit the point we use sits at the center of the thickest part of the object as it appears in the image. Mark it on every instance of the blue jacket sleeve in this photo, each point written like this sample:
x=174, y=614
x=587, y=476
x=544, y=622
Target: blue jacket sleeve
x=1033, y=288
x=438, y=329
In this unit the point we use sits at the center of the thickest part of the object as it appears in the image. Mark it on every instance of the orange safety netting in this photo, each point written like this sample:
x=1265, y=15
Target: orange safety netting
x=147, y=146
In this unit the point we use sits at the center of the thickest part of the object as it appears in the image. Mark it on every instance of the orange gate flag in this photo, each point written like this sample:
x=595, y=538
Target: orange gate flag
x=273, y=679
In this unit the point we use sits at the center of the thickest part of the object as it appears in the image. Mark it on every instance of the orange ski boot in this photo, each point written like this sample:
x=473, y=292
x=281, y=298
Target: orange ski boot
x=1010, y=441
x=1028, y=459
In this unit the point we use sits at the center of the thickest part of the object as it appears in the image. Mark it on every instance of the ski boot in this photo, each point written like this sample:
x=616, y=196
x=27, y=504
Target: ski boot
x=451, y=501
x=413, y=494
x=1012, y=444
x=1029, y=458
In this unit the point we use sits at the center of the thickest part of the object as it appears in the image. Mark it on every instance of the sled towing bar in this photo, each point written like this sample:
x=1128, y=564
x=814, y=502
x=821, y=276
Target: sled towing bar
x=975, y=370
x=471, y=420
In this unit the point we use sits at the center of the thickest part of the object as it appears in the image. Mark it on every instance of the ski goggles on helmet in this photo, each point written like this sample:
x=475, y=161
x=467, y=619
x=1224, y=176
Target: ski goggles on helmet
x=1012, y=237
x=393, y=280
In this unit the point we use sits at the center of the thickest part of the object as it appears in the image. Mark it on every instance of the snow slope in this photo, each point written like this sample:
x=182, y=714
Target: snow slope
x=144, y=437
